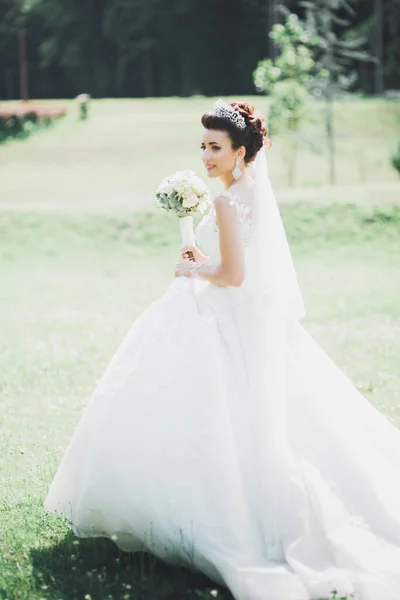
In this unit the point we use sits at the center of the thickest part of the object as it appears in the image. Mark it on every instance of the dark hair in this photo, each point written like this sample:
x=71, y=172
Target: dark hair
x=252, y=138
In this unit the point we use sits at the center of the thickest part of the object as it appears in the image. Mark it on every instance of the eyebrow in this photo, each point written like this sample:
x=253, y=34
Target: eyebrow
x=212, y=143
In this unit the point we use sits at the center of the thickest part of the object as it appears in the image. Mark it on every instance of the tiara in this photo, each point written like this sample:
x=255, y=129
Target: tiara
x=225, y=111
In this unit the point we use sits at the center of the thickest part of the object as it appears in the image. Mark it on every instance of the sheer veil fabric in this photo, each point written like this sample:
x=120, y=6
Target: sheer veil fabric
x=270, y=273
x=222, y=437
x=271, y=301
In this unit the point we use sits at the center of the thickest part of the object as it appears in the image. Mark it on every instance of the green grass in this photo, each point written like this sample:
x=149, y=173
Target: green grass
x=113, y=160
x=74, y=285
x=78, y=267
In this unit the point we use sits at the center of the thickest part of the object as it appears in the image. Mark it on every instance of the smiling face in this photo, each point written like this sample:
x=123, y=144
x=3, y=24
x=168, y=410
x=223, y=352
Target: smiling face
x=218, y=156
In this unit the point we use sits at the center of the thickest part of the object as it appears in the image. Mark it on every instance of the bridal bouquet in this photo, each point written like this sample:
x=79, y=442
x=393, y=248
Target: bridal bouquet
x=184, y=194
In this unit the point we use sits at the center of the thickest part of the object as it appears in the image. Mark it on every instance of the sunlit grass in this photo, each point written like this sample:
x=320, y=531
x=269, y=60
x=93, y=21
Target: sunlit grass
x=82, y=254
x=74, y=285
x=114, y=160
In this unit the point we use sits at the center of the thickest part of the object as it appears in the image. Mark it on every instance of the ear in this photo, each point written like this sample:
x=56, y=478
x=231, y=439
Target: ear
x=242, y=152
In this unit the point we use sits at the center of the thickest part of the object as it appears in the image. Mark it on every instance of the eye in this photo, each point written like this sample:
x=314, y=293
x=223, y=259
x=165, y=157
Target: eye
x=215, y=148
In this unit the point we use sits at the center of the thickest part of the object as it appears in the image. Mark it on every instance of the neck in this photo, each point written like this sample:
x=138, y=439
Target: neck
x=228, y=180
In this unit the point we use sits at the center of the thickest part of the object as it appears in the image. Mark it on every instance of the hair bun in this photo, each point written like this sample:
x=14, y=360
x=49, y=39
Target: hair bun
x=256, y=128
x=244, y=108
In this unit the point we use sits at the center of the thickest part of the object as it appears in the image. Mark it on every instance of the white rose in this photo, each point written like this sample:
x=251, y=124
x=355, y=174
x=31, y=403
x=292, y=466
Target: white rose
x=202, y=189
x=180, y=187
x=205, y=197
x=198, y=185
x=164, y=186
x=167, y=189
x=179, y=177
x=190, y=201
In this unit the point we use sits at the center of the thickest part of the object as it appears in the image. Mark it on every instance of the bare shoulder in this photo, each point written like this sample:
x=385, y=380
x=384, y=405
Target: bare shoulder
x=225, y=206
x=237, y=196
x=224, y=200
x=229, y=197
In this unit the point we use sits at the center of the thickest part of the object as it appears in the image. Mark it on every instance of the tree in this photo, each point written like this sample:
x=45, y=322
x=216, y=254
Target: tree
x=74, y=41
x=379, y=47
x=274, y=19
x=8, y=44
x=334, y=55
x=285, y=79
x=179, y=47
x=130, y=26
x=13, y=17
x=23, y=56
x=391, y=64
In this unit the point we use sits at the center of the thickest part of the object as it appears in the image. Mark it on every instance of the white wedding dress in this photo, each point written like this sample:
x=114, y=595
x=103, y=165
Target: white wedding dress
x=174, y=455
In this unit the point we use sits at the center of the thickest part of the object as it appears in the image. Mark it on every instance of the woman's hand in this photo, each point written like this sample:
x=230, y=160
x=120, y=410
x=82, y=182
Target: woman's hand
x=197, y=255
x=183, y=267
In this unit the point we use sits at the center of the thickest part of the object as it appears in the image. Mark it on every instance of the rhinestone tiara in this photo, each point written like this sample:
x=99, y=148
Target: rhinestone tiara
x=225, y=111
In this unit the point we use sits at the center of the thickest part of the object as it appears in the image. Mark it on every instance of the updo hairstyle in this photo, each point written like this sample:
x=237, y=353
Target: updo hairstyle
x=252, y=138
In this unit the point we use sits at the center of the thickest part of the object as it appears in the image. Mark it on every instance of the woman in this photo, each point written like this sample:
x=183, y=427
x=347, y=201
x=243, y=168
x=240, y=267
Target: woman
x=221, y=436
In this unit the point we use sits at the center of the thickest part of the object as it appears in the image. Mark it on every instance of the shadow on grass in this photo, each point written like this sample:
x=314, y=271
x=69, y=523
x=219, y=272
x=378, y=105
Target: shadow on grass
x=95, y=569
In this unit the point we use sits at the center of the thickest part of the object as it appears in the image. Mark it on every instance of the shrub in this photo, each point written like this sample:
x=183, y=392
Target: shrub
x=396, y=158
x=21, y=120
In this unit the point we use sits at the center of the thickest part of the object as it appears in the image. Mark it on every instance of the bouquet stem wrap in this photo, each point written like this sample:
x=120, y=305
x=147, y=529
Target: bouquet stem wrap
x=187, y=232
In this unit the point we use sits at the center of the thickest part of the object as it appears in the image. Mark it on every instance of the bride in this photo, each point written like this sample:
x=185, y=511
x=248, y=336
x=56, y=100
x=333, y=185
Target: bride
x=221, y=436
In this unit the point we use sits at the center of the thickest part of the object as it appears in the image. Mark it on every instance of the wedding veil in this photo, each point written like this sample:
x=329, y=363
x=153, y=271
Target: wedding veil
x=270, y=273
x=272, y=302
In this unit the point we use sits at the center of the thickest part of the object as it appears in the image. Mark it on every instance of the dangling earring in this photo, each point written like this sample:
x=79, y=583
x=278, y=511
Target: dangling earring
x=236, y=171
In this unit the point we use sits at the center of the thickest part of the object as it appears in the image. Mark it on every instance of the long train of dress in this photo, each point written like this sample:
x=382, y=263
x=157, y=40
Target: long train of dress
x=172, y=456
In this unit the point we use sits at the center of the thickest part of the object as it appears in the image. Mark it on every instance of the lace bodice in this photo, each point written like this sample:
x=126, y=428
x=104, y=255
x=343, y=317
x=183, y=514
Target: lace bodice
x=207, y=234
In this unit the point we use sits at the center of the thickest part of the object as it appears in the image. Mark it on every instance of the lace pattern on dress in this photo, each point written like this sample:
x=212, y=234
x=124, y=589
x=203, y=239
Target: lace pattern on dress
x=243, y=215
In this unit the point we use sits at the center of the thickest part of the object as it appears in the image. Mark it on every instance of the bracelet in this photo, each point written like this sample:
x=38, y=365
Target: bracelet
x=194, y=270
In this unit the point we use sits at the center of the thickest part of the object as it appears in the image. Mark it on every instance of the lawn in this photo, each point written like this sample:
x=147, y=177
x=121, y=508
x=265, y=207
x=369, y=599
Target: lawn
x=82, y=254
x=113, y=160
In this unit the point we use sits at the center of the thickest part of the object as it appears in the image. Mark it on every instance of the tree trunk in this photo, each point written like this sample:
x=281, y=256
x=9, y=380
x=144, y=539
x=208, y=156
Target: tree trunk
x=330, y=97
x=23, y=65
x=330, y=138
x=274, y=17
x=147, y=70
x=9, y=84
x=379, y=87
x=291, y=157
x=185, y=75
x=120, y=72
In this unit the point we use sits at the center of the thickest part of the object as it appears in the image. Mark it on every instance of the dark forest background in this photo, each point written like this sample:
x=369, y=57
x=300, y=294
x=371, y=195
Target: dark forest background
x=144, y=48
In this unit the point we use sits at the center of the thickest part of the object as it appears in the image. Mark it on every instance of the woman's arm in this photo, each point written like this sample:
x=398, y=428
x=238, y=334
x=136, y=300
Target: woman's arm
x=231, y=270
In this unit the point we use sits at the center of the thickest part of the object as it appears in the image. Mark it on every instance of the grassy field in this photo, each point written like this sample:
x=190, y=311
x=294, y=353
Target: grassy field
x=81, y=255
x=113, y=160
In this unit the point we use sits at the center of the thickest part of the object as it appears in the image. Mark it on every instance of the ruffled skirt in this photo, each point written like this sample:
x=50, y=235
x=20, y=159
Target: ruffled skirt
x=173, y=455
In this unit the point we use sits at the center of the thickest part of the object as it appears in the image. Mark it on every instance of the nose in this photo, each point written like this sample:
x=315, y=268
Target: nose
x=206, y=155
